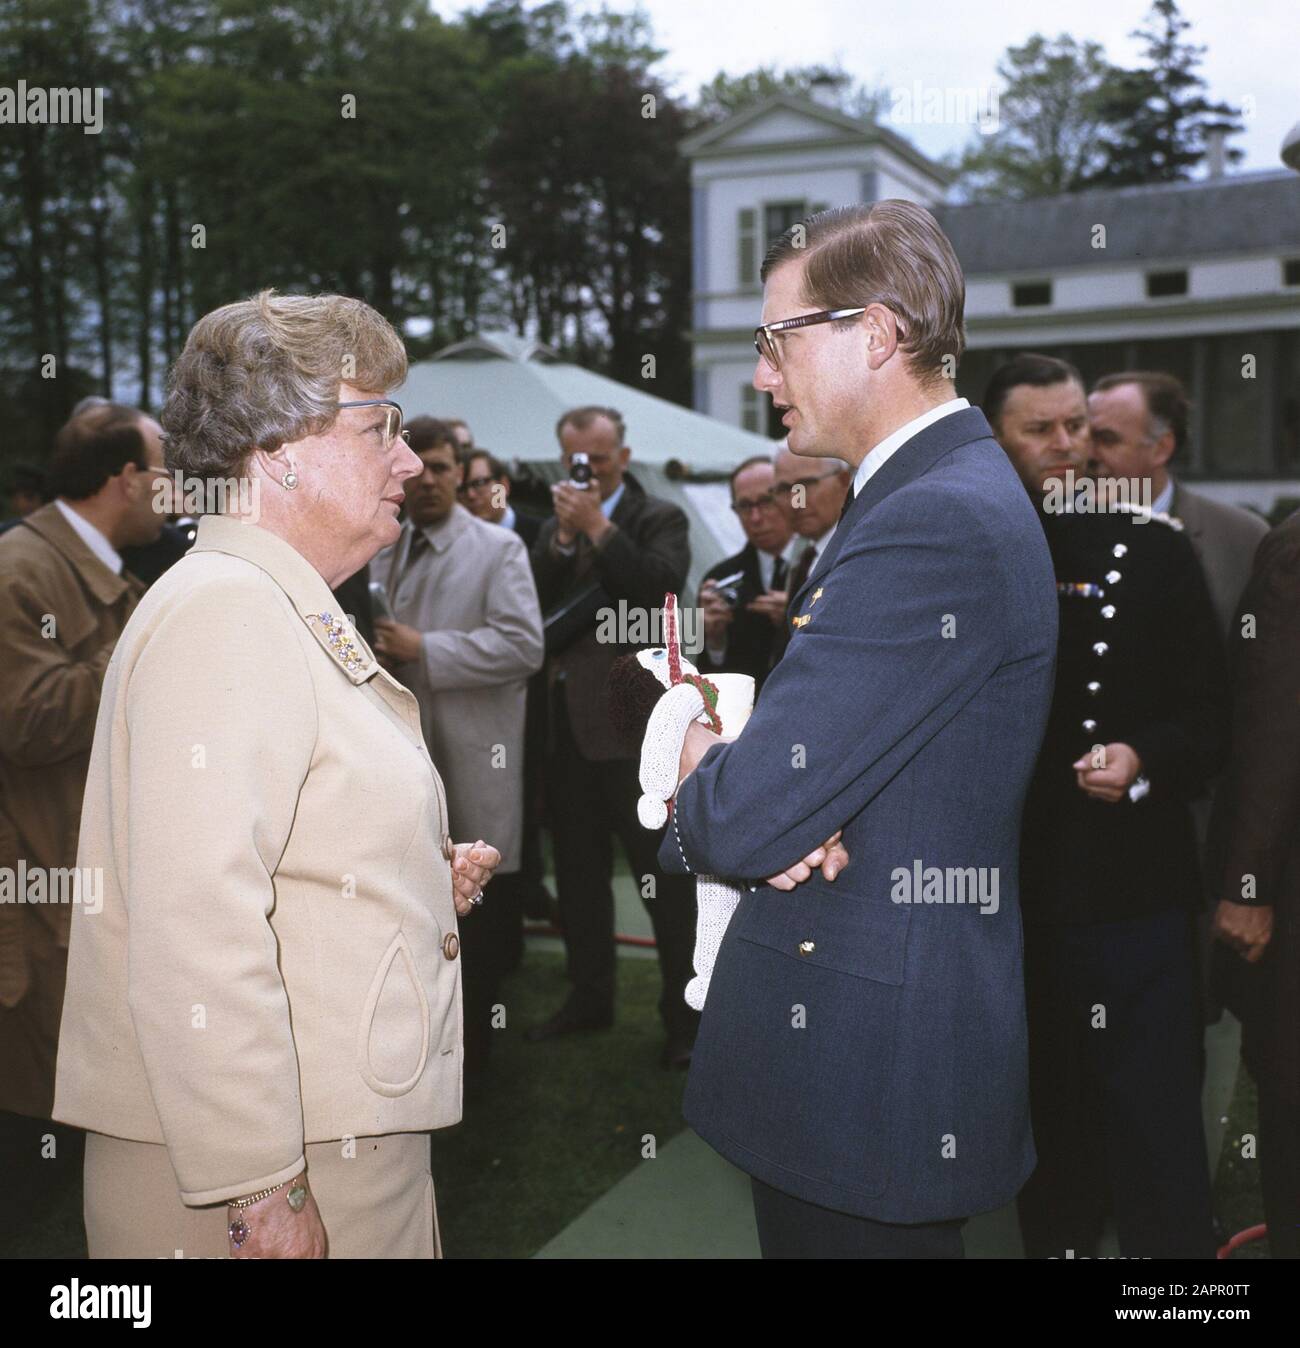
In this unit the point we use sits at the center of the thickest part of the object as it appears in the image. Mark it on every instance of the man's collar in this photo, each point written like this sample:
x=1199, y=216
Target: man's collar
x=53, y=526
x=91, y=536
x=610, y=504
x=442, y=534
x=879, y=454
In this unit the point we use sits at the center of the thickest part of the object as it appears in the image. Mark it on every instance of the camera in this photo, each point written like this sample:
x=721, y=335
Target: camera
x=580, y=470
x=728, y=588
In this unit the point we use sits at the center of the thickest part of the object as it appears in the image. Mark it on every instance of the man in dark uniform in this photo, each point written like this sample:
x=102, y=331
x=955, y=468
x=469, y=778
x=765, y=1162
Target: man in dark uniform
x=1108, y=853
x=741, y=619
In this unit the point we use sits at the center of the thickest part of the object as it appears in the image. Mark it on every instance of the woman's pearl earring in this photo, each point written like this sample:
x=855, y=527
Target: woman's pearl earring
x=290, y=481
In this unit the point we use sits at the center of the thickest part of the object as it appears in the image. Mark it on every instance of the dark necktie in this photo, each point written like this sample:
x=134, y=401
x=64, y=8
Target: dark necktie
x=419, y=546
x=802, y=568
x=778, y=574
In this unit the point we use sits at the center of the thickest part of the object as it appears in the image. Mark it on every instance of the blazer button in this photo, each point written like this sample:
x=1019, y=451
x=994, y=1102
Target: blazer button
x=450, y=945
x=806, y=947
x=447, y=849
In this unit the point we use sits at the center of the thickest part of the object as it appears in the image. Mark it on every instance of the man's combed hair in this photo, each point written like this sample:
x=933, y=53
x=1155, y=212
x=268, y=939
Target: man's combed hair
x=582, y=417
x=92, y=446
x=266, y=371
x=430, y=432
x=1028, y=367
x=891, y=253
x=1168, y=407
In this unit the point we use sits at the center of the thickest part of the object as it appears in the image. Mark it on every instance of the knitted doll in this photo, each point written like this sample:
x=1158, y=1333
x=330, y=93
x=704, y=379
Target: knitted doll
x=656, y=694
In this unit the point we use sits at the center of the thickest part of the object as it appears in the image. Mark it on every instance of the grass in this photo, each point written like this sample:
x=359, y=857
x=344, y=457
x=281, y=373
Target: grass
x=1237, y=1199
x=554, y=1125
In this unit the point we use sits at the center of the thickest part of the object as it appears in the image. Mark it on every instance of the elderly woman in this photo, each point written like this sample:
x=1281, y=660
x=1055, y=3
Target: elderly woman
x=265, y=1017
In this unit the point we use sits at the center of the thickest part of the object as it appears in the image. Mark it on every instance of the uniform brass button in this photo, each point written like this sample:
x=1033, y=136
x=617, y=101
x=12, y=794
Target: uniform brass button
x=1094, y=687
x=447, y=848
x=1090, y=726
x=1119, y=550
x=806, y=947
x=1099, y=648
x=1108, y=611
x=1113, y=577
x=450, y=945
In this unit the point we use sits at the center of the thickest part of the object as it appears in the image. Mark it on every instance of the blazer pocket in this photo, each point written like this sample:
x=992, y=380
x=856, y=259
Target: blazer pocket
x=394, y=1029
x=832, y=931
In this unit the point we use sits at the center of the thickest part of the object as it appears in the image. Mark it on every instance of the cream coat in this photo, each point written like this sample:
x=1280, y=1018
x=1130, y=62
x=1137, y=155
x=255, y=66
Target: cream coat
x=276, y=959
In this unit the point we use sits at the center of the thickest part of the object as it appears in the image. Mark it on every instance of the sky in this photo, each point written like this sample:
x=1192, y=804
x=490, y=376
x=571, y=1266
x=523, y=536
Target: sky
x=1253, y=47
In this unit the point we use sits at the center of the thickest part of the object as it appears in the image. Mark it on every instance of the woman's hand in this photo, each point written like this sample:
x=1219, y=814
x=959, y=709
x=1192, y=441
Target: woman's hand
x=831, y=858
x=471, y=869
x=276, y=1231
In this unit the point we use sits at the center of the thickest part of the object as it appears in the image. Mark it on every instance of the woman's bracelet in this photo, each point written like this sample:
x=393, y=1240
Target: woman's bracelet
x=296, y=1198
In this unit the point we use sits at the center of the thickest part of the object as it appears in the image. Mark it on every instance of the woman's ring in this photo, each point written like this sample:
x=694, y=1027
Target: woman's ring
x=477, y=899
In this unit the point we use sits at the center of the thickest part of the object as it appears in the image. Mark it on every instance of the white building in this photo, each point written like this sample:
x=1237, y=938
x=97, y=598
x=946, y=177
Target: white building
x=1201, y=279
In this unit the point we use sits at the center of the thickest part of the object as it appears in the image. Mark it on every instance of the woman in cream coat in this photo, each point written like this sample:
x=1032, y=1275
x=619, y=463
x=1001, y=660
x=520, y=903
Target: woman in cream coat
x=265, y=1016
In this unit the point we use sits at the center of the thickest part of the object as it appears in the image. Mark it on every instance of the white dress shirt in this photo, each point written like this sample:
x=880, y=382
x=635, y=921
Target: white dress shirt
x=91, y=537
x=881, y=453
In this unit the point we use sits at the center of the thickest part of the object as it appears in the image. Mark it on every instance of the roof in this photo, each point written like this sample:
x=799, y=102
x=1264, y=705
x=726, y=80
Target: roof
x=711, y=140
x=512, y=391
x=1237, y=213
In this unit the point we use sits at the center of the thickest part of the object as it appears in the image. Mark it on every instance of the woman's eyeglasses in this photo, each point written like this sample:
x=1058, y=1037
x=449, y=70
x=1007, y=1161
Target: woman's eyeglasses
x=392, y=418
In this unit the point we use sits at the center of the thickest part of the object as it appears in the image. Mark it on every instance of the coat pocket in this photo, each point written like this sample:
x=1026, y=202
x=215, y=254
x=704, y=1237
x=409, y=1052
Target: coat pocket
x=394, y=1032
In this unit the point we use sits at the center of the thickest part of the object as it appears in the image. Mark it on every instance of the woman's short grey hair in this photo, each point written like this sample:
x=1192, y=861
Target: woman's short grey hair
x=266, y=372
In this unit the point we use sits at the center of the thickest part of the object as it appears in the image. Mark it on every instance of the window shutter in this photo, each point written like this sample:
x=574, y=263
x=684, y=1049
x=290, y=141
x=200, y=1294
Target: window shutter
x=747, y=250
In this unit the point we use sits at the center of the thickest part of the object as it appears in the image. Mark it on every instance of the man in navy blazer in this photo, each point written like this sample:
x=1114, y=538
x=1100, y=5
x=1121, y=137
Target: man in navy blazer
x=862, y=1052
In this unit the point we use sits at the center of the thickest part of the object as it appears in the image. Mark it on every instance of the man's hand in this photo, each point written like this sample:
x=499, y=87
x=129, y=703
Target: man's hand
x=276, y=1231
x=771, y=605
x=577, y=511
x=1245, y=928
x=830, y=858
x=718, y=614
x=1112, y=782
x=396, y=643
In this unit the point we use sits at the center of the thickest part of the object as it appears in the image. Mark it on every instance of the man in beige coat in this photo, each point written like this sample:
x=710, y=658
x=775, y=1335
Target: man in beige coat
x=467, y=636
x=64, y=599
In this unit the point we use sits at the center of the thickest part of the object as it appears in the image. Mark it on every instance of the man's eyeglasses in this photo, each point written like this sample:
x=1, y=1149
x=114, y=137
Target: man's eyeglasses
x=745, y=504
x=475, y=484
x=392, y=418
x=763, y=336
x=807, y=483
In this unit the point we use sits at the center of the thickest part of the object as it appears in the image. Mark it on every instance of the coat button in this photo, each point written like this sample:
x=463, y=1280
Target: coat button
x=1119, y=550
x=450, y=945
x=448, y=849
x=1108, y=610
x=806, y=947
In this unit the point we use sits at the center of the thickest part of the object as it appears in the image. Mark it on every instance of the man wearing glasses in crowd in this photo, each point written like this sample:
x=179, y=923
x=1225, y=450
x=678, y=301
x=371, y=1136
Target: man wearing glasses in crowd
x=811, y=492
x=743, y=597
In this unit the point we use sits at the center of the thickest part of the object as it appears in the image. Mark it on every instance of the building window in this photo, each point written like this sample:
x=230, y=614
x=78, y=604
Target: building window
x=749, y=409
x=747, y=246
x=779, y=216
x=1025, y=294
x=1161, y=284
x=1291, y=271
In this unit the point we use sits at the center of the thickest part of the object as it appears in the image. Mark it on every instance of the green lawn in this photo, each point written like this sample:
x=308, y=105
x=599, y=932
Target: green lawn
x=554, y=1125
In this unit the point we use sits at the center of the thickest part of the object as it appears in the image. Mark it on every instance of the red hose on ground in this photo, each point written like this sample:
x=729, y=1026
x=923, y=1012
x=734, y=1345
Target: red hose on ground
x=1243, y=1238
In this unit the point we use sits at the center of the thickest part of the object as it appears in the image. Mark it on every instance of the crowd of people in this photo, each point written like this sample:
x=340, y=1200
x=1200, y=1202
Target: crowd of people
x=302, y=765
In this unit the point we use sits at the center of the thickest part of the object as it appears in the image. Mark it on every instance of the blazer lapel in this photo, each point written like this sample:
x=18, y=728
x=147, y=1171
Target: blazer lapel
x=911, y=460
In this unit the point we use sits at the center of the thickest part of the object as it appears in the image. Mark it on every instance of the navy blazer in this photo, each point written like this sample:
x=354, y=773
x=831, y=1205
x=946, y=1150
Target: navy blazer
x=858, y=1049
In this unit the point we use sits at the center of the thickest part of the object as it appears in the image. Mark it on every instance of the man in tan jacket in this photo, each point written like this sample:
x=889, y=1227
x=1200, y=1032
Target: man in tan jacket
x=64, y=599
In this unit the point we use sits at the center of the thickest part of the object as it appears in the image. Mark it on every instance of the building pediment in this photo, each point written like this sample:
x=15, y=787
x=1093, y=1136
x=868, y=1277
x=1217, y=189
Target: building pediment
x=779, y=119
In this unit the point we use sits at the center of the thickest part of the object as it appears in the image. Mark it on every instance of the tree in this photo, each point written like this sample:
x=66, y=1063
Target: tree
x=1157, y=117
x=726, y=94
x=1049, y=118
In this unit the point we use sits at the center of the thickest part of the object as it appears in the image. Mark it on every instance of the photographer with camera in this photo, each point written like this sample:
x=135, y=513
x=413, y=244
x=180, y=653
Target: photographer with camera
x=609, y=547
x=744, y=597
